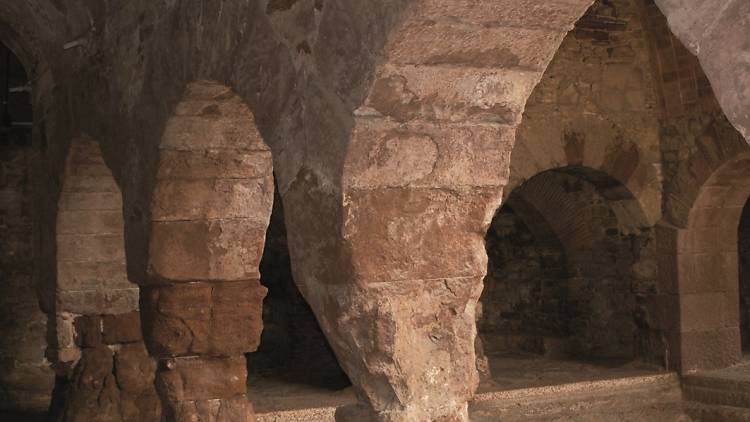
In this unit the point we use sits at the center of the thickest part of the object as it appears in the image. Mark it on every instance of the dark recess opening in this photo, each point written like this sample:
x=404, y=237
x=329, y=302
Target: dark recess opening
x=293, y=348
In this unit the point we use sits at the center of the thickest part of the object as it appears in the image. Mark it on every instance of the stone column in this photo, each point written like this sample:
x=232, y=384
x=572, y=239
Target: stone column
x=203, y=300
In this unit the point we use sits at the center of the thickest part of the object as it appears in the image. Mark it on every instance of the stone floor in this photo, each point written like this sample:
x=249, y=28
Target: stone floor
x=529, y=388
x=524, y=388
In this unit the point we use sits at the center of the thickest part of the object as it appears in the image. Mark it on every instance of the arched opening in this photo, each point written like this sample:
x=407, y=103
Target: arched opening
x=569, y=280
x=711, y=258
x=294, y=366
x=26, y=381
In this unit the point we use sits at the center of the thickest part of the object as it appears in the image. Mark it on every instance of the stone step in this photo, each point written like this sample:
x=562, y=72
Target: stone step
x=700, y=412
x=642, y=398
x=726, y=387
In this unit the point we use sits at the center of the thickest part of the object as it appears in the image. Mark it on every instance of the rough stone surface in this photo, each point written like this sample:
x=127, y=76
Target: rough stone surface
x=389, y=126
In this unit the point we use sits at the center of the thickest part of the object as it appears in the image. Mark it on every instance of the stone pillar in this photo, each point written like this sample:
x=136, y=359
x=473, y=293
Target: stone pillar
x=202, y=301
x=396, y=282
x=104, y=372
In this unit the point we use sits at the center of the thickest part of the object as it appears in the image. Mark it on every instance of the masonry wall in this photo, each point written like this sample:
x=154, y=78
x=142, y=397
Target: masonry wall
x=524, y=299
x=597, y=106
x=25, y=378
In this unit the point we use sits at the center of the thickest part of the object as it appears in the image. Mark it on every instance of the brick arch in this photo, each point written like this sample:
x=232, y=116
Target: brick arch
x=610, y=157
x=533, y=219
x=565, y=217
x=548, y=194
x=210, y=210
x=707, y=282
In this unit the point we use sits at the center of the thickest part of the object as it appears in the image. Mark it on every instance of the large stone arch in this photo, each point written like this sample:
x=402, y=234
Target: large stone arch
x=202, y=300
x=425, y=165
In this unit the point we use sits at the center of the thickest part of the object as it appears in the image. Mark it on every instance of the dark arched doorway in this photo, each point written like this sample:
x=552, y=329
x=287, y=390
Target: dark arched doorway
x=570, y=274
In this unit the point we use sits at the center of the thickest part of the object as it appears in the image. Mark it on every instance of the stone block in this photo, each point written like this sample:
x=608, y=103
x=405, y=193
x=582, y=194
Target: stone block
x=213, y=130
x=711, y=349
x=445, y=43
x=197, y=318
x=214, y=163
x=551, y=14
x=90, y=201
x=702, y=311
x=425, y=155
x=92, y=222
x=210, y=199
x=91, y=248
x=219, y=250
x=134, y=368
x=88, y=331
x=93, y=275
x=384, y=225
x=94, y=302
x=451, y=94
x=122, y=328
x=86, y=183
x=195, y=378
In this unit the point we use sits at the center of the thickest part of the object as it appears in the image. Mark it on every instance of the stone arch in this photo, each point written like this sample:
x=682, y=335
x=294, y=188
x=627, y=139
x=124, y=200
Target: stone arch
x=707, y=282
x=715, y=145
x=609, y=218
x=210, y=210
x=423, y=172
